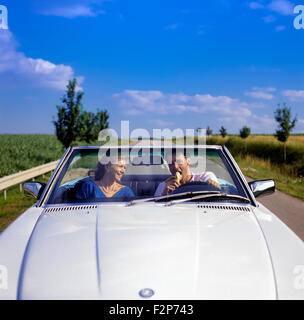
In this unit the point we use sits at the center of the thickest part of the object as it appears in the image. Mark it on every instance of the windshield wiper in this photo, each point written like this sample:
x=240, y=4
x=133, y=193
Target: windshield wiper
x=211, y=197
x=188, y=194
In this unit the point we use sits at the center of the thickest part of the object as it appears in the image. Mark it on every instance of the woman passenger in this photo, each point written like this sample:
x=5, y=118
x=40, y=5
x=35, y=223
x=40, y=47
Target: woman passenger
x=105, y=183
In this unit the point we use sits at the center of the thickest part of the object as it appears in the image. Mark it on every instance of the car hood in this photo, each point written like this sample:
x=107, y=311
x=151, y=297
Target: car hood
x=114, y=251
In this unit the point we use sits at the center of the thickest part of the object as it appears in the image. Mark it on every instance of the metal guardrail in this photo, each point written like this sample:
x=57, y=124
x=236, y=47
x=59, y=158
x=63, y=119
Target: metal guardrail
x=18, y=178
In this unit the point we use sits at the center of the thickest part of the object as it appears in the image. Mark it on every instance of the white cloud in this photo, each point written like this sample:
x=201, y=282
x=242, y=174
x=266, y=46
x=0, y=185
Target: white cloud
x=72, y=11
x=280, y=28
x=284, y=7
x=135, y=102
x=269, y=19
x=264, y=120
x=261, y=93
x=293, y=95
x=233, y=113
x=172, y=27
x=29, y=71
x=258, y=124
x=70, y=8
x=161, y=123
x=300, y=126
x=255, y=5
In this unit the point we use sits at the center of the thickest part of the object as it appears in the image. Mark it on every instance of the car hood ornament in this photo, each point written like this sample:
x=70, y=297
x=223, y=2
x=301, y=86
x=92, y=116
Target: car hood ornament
x=146, y=293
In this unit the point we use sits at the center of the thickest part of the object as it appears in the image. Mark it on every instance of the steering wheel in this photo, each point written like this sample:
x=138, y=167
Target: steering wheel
x=195, y=186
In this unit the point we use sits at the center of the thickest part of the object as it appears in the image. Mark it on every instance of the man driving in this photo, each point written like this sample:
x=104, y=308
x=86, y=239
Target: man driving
x=181, y=174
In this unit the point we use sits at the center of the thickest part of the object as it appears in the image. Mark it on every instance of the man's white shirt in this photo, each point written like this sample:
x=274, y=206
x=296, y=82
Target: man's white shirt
x=202, y=177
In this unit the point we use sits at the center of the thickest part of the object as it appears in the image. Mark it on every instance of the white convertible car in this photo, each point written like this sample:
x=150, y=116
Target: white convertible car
x=86, y=238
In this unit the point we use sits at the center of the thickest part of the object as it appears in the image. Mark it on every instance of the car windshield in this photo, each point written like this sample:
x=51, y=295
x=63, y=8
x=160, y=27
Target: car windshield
x=125, y=174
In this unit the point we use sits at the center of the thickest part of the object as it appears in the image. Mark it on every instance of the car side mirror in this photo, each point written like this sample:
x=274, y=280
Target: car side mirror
x=262, y=187
x=34, y=189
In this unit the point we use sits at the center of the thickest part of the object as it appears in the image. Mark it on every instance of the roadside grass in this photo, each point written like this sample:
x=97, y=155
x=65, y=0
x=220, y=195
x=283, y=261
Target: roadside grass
x=264, y=148
x=299, y=138
x=15, y=204
x=257, y=168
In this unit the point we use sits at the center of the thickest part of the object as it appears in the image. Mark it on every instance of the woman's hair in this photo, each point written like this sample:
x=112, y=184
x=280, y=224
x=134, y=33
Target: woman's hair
x=100, y=170
x=97, y=173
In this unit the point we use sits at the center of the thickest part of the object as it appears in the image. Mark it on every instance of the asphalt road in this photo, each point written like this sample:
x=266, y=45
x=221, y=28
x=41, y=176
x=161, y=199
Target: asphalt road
x=287, y=208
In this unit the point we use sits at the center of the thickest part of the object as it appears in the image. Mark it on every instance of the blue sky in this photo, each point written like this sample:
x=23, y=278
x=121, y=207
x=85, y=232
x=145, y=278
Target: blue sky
x=159, y=64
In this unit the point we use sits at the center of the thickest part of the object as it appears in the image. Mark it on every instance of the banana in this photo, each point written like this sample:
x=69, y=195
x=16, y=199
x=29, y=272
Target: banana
x=177, y=177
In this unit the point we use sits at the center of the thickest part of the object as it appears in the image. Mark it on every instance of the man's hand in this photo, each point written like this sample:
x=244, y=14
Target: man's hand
x=171, y=185
x=214, y=183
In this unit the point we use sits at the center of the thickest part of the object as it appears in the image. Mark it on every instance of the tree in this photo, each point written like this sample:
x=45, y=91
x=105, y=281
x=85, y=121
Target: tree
x=74, y=123
x=283, y=117
x=245, y=132
x=68, y=125
x=223, y=132
x=208, y=131
x=92, y=124
x=102, y=118
x=88, y=127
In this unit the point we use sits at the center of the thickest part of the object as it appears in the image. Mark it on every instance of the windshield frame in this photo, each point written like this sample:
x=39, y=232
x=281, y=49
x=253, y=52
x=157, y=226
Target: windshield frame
x=70, y=153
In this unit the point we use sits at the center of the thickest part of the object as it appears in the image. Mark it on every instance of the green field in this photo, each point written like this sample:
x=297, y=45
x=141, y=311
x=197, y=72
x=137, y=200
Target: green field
x=21, y=152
